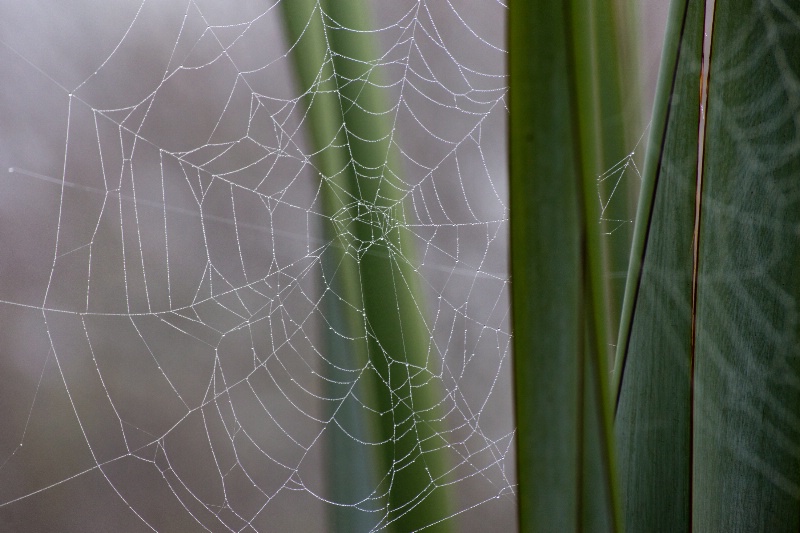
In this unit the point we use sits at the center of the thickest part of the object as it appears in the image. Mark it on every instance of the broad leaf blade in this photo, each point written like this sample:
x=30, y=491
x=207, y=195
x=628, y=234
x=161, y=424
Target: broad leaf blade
x=707, y=418
x=747, y=360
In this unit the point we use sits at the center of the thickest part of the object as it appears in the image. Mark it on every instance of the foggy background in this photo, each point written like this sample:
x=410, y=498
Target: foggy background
x=115, y=330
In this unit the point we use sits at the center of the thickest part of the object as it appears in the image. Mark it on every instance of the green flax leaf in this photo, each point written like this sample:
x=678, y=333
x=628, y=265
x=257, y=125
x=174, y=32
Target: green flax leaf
x=746, y=474
x=708, y=412
x=559, y=264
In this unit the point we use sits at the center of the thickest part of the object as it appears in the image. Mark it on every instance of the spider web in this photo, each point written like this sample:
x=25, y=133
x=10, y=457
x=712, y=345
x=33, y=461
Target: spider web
x=164, y=326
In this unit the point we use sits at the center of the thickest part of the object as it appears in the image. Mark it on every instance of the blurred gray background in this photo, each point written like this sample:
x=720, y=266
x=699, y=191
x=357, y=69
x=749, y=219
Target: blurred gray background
x=159, y=222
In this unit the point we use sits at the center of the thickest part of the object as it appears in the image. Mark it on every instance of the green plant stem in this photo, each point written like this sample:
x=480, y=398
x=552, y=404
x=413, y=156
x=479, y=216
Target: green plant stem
x=602, y=127
x=345, y=340
x=364, y=202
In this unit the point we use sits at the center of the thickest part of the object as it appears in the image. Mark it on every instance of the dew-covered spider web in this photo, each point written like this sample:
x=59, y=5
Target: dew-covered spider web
x=175, y=283
x=165, y=316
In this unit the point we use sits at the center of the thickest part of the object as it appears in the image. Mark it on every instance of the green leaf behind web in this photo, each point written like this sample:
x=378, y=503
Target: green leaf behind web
x=709, y=361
